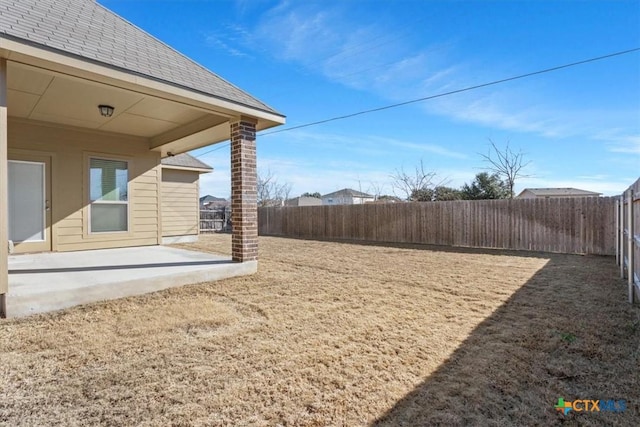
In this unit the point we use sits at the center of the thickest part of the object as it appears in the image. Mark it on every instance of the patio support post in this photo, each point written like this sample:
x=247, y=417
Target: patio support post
x=244, y=190
x=4, y=192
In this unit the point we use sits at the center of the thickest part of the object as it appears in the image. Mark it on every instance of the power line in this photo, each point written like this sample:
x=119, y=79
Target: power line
x=466, y=89
x=223, y=144
x=453, y=92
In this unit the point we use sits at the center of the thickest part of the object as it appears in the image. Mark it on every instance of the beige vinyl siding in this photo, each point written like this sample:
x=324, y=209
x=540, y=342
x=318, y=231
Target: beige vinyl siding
x=70, y=148
x=180, y=205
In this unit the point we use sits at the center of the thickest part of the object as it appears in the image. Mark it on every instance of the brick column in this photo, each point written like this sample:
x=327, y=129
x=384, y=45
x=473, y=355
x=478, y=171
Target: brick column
x=244, y=190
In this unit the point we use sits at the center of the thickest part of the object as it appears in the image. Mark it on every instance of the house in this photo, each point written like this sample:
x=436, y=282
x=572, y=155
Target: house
x=347, y=196
x=303, y=201
x=547, y=193
x=210, y=202
x=180, y=207
x=387, y=199
x=89, y=105
x=215, y=214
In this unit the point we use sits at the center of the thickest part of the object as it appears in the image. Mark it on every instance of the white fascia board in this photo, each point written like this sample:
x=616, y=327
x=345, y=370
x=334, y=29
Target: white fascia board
x=186, y=168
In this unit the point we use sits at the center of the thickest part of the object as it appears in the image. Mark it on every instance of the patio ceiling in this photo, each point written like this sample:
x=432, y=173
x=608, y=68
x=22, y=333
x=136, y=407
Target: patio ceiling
x=44, y=95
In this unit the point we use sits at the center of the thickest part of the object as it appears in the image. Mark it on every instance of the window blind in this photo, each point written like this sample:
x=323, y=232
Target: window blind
x=108, y=180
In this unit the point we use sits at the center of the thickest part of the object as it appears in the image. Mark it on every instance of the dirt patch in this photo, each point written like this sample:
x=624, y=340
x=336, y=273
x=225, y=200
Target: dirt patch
x=338, y=334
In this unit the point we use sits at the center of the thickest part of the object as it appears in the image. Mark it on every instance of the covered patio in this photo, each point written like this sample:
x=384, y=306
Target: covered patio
x=89, y=106
x=45, y=282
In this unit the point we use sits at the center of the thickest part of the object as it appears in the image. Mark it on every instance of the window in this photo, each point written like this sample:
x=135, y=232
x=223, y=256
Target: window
x=109, y=195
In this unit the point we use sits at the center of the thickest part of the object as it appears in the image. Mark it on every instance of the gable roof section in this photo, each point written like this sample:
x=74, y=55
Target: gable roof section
x=547, y=192
x=210, y=198
x=347, y=192
x=303, y=201
x=87, y=30
x=186, y=161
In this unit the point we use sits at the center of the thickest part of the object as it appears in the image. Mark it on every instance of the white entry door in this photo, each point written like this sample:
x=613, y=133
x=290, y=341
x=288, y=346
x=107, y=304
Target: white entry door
x=29, y=217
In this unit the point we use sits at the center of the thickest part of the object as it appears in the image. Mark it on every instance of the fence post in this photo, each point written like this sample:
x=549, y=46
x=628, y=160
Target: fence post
x=617, y=215
x=630, y=235
x=621, y=235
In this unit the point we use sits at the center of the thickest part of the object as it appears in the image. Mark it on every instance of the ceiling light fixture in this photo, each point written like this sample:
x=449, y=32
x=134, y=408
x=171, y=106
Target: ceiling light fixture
x=106, y=110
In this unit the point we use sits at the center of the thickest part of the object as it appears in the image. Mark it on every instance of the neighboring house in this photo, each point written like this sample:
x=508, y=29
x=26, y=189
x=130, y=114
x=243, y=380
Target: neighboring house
x=210, y=202
x=215, y=214
x=347, y=196
x=387, y=199
x=303, y=201
x=180, y=203
x=89, y=104
x=547, y=193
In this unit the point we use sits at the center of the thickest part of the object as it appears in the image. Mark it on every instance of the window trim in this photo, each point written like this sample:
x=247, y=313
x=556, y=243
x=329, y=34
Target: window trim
x=90, y=202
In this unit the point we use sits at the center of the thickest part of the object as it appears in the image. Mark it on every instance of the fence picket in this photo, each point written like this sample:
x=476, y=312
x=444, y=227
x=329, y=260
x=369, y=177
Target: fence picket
x=570, y=225
x=628, y=247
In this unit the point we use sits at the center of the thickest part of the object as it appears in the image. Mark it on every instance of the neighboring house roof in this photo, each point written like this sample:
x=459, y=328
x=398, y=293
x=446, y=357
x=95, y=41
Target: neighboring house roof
x=347, y=192
x=303, y=201
x=208, y=198
x=559, y=192
x=87, y=30
x=186, y=161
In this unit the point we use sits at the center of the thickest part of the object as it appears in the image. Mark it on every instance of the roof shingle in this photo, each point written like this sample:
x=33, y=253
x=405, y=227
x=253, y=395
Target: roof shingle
x=185, y=160
x=568, y=191
x=348, y=192
x=86, y=29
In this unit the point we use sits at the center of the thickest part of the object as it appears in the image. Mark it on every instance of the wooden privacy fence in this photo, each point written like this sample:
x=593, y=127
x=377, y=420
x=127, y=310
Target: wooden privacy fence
x=628, y=238
x=568, y=225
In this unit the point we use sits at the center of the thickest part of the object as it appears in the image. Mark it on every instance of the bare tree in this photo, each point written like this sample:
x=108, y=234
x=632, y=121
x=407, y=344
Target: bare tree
x=270, y=191
x=411, y=184
x=507, y=163
x=376, y=188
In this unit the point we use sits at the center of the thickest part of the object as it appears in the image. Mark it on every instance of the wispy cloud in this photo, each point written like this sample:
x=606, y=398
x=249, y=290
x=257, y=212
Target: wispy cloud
x=620, y=140
x=232, y=39
x=370, y=145
x=519, y=111
x=218, y=182
x=491, y=110
x=374, y=57
x=420, y=148
x=632, y=147
x=308, y=174
x=221, y=43
x=332, y=175
x=597, y=177
x=245, y=6
x=385, y=60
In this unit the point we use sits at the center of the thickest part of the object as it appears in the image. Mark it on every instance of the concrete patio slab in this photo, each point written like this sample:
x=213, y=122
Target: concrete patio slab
x=52, y=281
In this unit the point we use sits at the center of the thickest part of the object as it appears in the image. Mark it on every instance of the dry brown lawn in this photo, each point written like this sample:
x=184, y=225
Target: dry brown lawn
x=338, y=334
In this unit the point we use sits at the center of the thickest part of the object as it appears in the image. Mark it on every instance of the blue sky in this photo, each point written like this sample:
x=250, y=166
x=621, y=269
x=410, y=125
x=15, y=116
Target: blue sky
x=313, y=60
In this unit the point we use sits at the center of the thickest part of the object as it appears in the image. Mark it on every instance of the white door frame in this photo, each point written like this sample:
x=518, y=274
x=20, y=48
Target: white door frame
x=43, y=245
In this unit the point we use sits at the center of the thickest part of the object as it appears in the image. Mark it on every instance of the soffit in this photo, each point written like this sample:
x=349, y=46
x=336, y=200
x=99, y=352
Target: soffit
x=44, y=95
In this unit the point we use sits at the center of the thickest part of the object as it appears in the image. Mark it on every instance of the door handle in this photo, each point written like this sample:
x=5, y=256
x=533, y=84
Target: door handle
x=46, y=205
